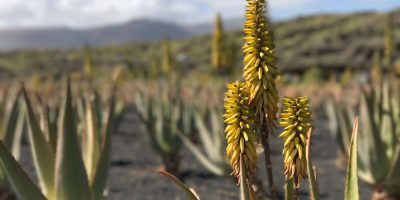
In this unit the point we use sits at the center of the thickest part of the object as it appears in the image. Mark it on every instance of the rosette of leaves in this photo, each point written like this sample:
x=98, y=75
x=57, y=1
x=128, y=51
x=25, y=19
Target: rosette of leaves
x=211, y=151
x=61, y=171
x=161, y=120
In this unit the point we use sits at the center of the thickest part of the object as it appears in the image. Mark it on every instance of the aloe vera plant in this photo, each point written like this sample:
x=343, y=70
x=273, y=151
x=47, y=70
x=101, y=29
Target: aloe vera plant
x=161, y=119
x=351, y=190
x=61, y=171
x=211, y=153
x=12, y=119
x=187, y=121
x=12, y=126
x=339, y=124
x=379, y=142
x=379, y=138
x=48, y=120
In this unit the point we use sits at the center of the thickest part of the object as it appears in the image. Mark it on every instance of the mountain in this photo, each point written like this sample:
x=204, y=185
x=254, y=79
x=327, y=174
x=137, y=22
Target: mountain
x=136, y=30
x=332, y=42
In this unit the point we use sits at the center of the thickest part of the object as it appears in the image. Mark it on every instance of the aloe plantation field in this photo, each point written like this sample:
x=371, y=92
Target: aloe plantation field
x=306, y=108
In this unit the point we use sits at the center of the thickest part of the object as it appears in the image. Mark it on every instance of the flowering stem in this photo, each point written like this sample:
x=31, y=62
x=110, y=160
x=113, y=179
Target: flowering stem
x=296, y=193
x=268, y=164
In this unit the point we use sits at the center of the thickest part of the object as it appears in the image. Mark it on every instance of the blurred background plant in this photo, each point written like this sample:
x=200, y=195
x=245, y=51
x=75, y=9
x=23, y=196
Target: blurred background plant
x=379, y=139
x=64, y=171
x=211, y=151
x=160, y=115
x=13, y=124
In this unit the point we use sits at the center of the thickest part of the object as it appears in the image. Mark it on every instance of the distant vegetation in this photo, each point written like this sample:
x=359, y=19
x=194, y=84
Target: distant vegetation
x=316, y=41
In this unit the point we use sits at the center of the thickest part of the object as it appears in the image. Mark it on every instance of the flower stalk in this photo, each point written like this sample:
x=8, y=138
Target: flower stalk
x=260, y=73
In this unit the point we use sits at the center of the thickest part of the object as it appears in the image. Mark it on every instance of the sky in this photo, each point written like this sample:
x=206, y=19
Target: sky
x=89, y=13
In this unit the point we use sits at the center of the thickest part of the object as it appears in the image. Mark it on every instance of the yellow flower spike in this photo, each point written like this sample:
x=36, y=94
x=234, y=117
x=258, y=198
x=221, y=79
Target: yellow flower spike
x=259, y=70
x=238, y=131
x=296, y=120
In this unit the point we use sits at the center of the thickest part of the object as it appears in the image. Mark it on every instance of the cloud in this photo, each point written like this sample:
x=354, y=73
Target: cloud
x=83, y=13
x=278, y=4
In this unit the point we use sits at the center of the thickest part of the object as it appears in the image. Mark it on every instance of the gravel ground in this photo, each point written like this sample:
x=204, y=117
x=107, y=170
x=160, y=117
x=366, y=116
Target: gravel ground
x=134, y=168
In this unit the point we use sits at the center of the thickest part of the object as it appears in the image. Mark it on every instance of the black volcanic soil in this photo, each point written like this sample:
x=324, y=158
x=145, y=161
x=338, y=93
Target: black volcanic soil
x=134, y=168
x=134, y=165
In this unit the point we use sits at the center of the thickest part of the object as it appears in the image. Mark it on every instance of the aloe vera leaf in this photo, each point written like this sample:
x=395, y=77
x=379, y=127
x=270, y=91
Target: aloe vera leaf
x=162, y=132
x=100, y=178
x=10, y=120
x=3, y=104
x=345, y=128
x=373, y=145
x=19, y=130
x=351, y=191
x=190, y=192
x=388, y=127
x=217, y=126
x=52, y=126
x=43, y=120
x=119, y=112
x=206, y=137
x=23, y=186
x=217, y=131
x=42, y=153
x=92, y=140
x=312, y=179
x=331, y=112
x=393, y=177
x=71, y=180
x=216, y=168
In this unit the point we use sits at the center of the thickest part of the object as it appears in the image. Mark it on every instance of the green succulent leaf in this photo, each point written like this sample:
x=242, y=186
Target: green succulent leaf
x=393, y=177
x=372, y=149
x=49, y=124
x=23, y=186
x=70, y=176
x=100, y=178
x=19, y=130
x=10, y=117
x=388, y=127
x=344, y=118
x=351, y=191
x=219, y=169
x=42, y=153
x=119, y=112
x=206, y=138
x=91, y=150
x=312, y=179
x=331, y=112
